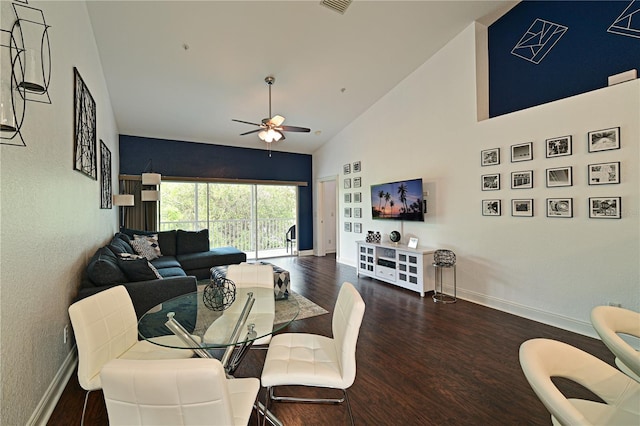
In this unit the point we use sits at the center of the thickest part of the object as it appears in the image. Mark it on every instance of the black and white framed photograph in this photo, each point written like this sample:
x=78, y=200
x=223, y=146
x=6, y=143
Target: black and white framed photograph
x=347, y=212
x=357, y=167
x=491, y=207
x=84, y=133
x=490, y=157
x=357, y=212
x=522, y=152
x=560, y=176
x=522, y=208
x=357, y=197
x=357, y=227
x=559, y=207
x=347, y=183
x=491, y=182
x=347, y=227
x=357, y=182
x=346, y=169
x=347, y=197
x=604, y=140
x=559, y=147
x=522, y=179
x=604, y=207
x=105, y=177
x=604, y=173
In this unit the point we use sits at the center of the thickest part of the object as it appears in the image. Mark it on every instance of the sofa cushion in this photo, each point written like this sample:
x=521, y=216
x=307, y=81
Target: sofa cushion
x=138, y=268
x=166, y=262
x=167, y=241
x=214, y=257
x=118, y=245
x=103, y=268
x=172, y=272
x=147, y=246
x=192, y=242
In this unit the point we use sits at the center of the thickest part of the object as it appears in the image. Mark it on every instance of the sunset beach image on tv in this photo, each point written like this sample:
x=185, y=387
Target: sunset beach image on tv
x=400, y=200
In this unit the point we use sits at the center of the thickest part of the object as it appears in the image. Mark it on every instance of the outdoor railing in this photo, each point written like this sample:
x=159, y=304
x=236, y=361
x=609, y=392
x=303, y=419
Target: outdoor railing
x=238, y=233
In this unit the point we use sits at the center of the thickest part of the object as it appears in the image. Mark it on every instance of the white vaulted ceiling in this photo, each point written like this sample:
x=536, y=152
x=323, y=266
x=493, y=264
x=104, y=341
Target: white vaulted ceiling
x=182, y=70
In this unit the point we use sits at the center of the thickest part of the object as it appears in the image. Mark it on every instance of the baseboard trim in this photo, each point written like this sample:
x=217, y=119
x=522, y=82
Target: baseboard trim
x=305, y=253
x=48, y=403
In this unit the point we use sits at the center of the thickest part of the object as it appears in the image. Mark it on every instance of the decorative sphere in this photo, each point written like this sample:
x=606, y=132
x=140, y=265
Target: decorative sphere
x=394, y=236
x=219, y=294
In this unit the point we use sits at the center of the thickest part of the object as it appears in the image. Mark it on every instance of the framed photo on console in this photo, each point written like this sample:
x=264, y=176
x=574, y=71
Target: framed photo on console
x=604, y=173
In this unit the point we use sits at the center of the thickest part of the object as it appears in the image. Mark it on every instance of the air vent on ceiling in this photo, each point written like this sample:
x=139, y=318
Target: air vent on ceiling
x=339, y=6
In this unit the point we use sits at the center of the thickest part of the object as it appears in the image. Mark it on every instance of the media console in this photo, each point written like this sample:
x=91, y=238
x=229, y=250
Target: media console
x=396, y=264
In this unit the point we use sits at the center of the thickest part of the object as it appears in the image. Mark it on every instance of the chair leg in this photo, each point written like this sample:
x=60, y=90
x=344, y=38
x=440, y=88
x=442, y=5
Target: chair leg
x=346, y=398
x=272, y=397
x=84, y=407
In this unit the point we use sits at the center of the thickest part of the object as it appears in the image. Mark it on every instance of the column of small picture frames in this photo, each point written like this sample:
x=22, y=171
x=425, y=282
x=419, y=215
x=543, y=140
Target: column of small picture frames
x=352, y=211
x=599, y=172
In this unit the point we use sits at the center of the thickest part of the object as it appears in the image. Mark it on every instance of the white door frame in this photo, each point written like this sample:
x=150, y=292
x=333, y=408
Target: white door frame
x=320, y=219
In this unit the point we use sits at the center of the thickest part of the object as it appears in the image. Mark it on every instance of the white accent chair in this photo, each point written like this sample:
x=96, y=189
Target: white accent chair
x=263, y=312
x=105, y=327
x=176, y=392
x=542, y=359
x=318, y=361
x=610, y=322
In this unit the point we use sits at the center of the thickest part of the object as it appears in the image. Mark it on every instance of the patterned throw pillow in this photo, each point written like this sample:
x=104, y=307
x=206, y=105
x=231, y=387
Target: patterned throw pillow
x=147, y=246
x=137, y=268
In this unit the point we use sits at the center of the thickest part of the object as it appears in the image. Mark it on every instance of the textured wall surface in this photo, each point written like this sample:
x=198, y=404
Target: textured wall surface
x=51, y=220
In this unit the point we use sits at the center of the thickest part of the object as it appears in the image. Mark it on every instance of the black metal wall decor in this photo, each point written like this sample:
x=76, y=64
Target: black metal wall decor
x=12, y=106
x=105, y=177
x=84, y=134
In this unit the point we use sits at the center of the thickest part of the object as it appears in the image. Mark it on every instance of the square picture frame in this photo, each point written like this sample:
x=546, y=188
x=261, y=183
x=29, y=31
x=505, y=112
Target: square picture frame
x=357, y=212
x=357, y=197
x=357, y=227
x=347, y=183
x=347, y=212
x=522, y=207
x=491, y=207
x=604, y=140
x=560, y=176
x=346, y=169
x=522, y=152
x=522, y=179
x=347, y=197
x=490, y=157
x=560, y=207
x=491, y=182
x=605, y=207
x=413, y=243
x=357, y=182
x=604, y=173
x=357, y=167
x=347, y=227
x=559, y=147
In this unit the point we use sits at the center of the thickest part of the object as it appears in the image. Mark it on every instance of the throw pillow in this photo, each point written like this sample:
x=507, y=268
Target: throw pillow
x=118, y=245
x=147, y=246
x=137, y=268
x=103, y=268
x=192, y=242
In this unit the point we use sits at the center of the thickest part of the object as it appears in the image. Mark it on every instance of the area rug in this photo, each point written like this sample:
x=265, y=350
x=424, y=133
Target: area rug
x=308, y=309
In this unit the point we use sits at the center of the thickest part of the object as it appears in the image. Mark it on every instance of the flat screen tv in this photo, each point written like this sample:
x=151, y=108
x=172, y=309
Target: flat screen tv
x=400, y=200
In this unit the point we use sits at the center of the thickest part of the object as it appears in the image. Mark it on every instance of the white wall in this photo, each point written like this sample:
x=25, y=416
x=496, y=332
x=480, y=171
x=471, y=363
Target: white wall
x=51, y=221
x=549, y=269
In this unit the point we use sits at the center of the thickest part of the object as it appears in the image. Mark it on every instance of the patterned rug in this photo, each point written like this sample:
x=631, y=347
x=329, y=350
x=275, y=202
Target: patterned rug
x=308, y=308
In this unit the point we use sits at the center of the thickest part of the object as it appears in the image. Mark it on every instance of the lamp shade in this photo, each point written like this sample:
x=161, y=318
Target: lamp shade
x=149, y=195
x=151, y=178
x=123, y=200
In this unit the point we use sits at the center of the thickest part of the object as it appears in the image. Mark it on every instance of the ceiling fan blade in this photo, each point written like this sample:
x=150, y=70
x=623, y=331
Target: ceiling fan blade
x=251, y=131
x=281, y=134
x=294, y=129
x=277, y=120
x=245, y=122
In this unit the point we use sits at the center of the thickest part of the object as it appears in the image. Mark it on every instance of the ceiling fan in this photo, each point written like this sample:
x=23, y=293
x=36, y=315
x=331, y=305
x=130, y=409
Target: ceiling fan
x=271, y=129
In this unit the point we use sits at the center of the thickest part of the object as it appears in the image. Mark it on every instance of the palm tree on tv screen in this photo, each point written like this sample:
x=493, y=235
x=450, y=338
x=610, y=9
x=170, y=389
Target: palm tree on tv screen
x=402, y=190
x=387, y=197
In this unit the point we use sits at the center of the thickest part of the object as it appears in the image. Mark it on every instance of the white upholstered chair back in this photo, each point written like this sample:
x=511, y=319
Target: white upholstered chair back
x=347, y=318
x=542, y=359
x=251, y=275
x=175, y=392
x=105, y=326
x=609, y=321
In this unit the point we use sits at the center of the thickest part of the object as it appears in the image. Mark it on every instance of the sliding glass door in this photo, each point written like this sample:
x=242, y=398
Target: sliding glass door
x=252, y=217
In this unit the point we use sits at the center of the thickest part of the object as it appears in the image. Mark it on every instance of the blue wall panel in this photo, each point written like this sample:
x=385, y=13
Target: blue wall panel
x=189, y=159
x=575, y=56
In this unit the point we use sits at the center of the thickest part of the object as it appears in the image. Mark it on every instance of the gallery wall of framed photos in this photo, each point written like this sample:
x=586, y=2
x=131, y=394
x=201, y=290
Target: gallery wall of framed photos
x=352, y=201
x=521, y=163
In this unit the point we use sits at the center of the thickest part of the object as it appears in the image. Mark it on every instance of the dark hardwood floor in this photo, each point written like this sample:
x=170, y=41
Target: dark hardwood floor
x=418, y=362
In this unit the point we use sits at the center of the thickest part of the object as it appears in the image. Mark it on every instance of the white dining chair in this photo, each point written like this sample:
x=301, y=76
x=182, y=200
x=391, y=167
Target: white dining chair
x=176, y=392
x=105, y=327
x=610, y=322
x=544, y=359
x=317, y=361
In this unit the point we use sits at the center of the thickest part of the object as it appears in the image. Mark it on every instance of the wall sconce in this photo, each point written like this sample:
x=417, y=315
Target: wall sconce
x=31, y=33
x=12, y=106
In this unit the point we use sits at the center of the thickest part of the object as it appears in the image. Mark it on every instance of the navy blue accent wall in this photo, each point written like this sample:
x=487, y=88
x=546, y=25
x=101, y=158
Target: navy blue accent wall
x=580, y=60
x=189, y=159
